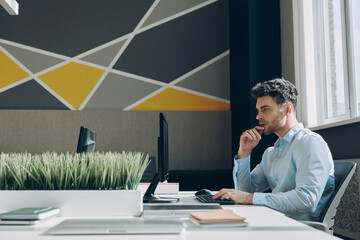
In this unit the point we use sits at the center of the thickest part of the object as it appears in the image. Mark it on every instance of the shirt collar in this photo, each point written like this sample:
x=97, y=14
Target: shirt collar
x=290, y=135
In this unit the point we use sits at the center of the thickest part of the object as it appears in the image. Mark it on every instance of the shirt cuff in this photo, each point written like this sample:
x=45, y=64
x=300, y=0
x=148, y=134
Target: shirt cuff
x=259, y=198
x=242, y=162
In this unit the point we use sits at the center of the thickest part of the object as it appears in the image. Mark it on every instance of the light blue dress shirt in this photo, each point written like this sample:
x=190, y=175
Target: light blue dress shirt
x=297, y=170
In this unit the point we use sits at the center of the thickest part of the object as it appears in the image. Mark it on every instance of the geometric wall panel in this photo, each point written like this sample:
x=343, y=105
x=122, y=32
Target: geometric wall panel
x=34, y=61
x=174, y=48
x=118, y=92
x=213, y=79
x=10, y=72
x=175, y=100
x=166, y=8
x=73, y=82
x=104, y=56
x=29, y=95
x=73, y=43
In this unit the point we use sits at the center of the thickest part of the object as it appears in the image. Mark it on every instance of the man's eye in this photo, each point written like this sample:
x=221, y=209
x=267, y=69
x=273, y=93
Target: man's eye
x=265, y=109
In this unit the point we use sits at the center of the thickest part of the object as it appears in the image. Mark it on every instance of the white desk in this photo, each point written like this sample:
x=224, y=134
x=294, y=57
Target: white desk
x=264, y=223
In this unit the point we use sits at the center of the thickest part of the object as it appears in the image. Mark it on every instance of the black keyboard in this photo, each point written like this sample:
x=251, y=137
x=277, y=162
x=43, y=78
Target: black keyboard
x=208, y=199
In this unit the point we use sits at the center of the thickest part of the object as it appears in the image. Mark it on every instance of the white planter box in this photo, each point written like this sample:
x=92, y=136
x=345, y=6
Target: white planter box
x=73, y=203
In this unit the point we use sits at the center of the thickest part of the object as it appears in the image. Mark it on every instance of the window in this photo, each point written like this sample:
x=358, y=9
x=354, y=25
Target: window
x=327, y=60
x=355, y=46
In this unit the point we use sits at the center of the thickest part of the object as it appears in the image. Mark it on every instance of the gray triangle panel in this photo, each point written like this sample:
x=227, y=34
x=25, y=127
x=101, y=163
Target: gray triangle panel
x=29, y=95
x=213, y=79
x=167, y=8
x=71, y=27
x=104, y=56
x=34, y=61
x=118, y=92
x=174, y=48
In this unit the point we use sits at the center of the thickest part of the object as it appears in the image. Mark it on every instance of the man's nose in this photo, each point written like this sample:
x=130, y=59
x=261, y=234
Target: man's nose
x=258, y=116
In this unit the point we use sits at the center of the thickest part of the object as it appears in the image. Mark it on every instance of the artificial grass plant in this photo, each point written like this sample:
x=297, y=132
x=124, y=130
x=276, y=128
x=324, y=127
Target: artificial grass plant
x=71, y=171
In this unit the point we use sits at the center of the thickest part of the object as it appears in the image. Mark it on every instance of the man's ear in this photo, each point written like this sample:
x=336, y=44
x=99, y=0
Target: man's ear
x=289, y=108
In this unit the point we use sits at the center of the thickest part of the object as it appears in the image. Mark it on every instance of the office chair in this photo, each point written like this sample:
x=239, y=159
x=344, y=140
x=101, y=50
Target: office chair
x=343, y=173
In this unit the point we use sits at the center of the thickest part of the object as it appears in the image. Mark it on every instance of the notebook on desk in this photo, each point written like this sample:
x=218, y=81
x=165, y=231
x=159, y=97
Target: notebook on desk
x=116, y=226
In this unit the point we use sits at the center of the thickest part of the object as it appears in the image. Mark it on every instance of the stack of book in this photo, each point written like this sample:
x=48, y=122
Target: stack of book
x=217, y=218
x=26, y=216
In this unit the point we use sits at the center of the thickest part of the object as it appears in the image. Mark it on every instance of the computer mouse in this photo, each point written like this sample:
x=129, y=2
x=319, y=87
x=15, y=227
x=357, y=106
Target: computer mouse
x=203, y=192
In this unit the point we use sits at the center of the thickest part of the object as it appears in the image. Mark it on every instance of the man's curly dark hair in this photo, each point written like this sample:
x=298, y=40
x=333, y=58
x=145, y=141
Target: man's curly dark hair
x=280, y=89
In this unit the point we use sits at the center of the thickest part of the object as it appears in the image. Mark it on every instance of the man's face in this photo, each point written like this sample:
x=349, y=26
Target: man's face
x=270, y=116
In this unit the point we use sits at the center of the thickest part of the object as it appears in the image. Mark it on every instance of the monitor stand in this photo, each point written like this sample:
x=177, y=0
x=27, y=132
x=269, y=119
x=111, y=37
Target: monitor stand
x=149, y=196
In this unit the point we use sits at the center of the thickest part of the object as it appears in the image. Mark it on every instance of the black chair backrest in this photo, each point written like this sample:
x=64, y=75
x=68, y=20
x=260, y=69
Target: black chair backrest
x=341, y=171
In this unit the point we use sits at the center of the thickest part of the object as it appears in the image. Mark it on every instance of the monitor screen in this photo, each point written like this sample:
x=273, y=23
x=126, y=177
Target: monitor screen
x=163, y=166
x=163, y=150
x=87, y=140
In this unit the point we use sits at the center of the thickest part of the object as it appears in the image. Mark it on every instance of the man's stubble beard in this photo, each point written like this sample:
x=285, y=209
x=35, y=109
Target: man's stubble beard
x=276, y=126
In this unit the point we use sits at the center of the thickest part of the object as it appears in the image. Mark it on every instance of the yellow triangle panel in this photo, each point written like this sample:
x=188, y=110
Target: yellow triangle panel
x=175, y=100
x=10, y=72
x=73, y=82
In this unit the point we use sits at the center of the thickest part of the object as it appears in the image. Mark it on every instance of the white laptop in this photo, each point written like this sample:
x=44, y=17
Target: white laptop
x=116, y=226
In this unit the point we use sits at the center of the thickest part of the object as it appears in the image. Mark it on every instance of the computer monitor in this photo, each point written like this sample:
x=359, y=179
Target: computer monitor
x=87, y=140
x=163, y=150
x=163, y=166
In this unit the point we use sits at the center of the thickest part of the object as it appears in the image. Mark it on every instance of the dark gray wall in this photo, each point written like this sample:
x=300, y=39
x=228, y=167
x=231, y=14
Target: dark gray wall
x=255, y=56
x=343, y=140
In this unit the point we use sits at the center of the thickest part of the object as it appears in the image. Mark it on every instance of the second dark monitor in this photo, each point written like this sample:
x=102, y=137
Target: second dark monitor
x=87, y=140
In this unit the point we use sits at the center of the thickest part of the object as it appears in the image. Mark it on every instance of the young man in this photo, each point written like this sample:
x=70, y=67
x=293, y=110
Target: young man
x=298, y=169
